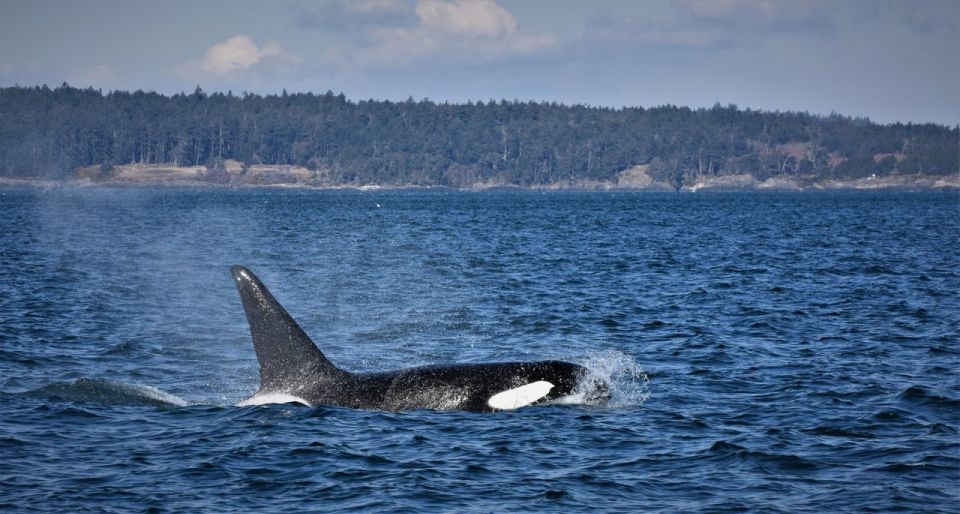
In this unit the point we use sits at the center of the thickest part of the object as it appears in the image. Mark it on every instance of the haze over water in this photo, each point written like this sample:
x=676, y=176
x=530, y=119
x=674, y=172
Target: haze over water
x=769, y=352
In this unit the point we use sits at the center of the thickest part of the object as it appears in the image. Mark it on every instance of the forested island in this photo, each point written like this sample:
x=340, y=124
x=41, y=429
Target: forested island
x=326, y=140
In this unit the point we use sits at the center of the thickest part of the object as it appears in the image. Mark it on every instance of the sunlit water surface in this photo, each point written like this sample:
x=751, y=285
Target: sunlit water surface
x=769, y=353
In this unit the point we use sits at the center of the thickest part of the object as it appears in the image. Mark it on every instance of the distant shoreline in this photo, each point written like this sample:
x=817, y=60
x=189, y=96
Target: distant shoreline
x=921, y=184
x=235, y=176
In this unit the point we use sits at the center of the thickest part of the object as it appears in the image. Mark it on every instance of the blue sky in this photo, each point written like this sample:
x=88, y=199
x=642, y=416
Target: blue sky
x=893, y=60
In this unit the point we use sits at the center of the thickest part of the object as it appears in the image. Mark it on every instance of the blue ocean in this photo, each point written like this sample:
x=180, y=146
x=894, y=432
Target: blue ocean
x=771, y=353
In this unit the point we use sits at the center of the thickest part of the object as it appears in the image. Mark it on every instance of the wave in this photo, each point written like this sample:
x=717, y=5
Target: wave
x=726, y=451
x=919, y=395
x=107, y=392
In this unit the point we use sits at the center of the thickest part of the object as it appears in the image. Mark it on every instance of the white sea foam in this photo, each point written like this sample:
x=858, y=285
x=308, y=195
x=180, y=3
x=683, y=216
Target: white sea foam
x=629, y=383
x=161, y=396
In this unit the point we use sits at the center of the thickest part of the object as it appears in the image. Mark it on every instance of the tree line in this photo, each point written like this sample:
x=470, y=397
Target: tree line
x=49, y=133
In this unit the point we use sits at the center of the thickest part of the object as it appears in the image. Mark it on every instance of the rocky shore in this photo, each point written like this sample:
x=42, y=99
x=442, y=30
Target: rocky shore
x=235, y=175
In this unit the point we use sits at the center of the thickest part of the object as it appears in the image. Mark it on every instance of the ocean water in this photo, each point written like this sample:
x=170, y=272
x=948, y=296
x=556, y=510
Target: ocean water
x=767, y=352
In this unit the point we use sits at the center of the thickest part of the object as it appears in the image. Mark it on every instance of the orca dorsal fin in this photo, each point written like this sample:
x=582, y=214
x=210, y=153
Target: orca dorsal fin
x=289, y=359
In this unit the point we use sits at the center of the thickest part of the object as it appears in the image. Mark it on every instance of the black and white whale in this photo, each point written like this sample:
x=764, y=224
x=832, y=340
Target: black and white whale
x=294, y=370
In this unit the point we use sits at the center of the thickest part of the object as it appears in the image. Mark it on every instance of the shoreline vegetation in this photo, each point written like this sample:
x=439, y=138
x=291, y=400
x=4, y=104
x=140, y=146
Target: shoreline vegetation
x=233, y=174
x=82, y=137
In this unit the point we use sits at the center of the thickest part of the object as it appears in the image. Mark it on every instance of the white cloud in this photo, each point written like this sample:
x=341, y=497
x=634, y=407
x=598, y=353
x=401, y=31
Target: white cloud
x=238, y=55
x=483, y=18
x=458, y=30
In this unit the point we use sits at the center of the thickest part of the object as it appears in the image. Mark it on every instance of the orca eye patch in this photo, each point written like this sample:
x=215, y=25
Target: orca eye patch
x=270, y=398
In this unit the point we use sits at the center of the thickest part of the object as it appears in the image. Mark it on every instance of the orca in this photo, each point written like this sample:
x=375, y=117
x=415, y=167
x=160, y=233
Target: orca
x=294, y=370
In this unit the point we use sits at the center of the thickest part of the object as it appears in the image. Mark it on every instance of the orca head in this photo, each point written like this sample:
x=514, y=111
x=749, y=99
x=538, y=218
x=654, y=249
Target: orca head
x=593, y=390
x=588, y=387
x=567, y=382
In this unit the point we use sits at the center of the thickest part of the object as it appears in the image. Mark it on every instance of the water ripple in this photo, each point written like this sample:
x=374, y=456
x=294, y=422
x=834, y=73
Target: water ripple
x=769, y=353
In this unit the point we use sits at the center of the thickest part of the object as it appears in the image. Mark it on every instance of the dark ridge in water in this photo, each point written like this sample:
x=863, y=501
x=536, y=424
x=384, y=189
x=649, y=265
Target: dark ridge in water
x=105, y=392
x=779, y=353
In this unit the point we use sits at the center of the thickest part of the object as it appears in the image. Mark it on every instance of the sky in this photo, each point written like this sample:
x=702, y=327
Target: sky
x=889, y=60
